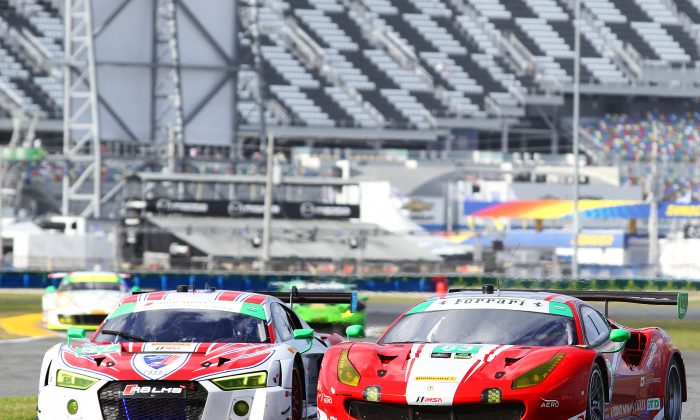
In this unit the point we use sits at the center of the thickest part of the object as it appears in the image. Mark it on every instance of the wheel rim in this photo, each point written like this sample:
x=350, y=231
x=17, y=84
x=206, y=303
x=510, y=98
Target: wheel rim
x=673, y=393
x=596, y=396
x=297, y=396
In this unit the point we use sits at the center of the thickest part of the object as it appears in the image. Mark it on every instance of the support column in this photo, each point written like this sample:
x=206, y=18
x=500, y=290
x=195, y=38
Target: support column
x=82, y=182
x=167, y=120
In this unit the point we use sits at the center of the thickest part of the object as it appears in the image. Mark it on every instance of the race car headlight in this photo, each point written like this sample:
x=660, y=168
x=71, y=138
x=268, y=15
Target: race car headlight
x=538, y=374
x=74, y=380
x=347, y=373
x=64, y=300
x=242, y=381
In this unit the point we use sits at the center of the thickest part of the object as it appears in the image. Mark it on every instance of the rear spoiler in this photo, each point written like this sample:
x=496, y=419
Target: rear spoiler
x=295, y=296
x=677, y=299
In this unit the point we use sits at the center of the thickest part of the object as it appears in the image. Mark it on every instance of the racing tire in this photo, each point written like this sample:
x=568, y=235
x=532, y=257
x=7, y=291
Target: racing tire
x=595, y=407
x=298, y=393
x=673, y=395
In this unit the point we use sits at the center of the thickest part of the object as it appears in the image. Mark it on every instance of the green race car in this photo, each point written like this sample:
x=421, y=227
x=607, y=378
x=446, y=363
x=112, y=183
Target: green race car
x=326, y=317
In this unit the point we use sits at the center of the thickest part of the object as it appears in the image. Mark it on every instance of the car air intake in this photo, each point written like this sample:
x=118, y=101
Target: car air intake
x=153, y=400
x=84, y=319
x=363, y=410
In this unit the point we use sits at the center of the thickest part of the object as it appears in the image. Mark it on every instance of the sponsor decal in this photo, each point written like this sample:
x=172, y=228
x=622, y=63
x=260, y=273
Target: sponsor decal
x=436, y=378
x=169, y=347
x=522, y=304
x=463, y=356
x=428, y=400
x=440, y=355
x=158, y=362
x=645, y=380
x=136, y=391
x=549, y=403
x=494, y=301
x=156, y=366
x=653, y=404
x=581, y=416
x=652, y=354
x=628, y=408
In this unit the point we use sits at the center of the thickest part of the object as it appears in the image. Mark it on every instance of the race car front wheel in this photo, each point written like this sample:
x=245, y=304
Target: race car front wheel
x=297, y=394
x=596, y=395
x=673, y=402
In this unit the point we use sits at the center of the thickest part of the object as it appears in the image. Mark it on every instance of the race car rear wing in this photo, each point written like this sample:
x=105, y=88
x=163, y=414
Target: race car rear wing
x=677, y=299
x=295, y=296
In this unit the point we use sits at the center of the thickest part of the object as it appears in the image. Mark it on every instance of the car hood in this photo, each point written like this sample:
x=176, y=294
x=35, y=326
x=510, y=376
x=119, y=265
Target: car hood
x=442, y=374
x=102, y=301
x=166, y=361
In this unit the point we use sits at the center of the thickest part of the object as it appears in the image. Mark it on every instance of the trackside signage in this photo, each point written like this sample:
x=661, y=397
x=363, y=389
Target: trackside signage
x=241, y=209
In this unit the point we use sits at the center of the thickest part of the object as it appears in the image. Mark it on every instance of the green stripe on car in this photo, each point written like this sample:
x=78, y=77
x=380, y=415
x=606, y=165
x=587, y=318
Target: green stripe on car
x=558, y=308
x=421, y=307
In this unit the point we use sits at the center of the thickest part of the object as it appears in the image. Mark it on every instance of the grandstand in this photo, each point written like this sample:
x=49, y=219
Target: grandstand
x=410, y=64
x=467, y=90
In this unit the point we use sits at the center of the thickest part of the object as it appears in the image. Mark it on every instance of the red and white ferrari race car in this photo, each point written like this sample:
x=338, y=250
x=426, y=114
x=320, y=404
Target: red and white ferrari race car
x=508, y=355
x=190, y=355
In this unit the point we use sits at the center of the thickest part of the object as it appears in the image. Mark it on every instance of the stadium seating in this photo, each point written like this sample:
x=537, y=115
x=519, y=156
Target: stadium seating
x=401, y=63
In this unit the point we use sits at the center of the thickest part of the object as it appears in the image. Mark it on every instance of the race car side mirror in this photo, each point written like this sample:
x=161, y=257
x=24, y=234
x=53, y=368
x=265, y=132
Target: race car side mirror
x=619, y=336
x=303, y=334
x=355, y=331
x=74, y=332
x=50, y=289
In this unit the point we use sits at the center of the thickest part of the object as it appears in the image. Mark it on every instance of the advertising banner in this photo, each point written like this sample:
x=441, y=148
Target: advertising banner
x=242, y=209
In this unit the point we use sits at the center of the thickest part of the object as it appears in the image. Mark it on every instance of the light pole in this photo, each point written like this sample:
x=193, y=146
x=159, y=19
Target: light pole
x=267, y=206
x=576, y=127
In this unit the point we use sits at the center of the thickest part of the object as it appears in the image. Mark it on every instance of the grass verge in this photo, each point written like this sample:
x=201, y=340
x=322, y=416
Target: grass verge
x=18, y=408
x=17, y=304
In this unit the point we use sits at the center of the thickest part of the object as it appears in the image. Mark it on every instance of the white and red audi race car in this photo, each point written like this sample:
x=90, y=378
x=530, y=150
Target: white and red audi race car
x=190, y=355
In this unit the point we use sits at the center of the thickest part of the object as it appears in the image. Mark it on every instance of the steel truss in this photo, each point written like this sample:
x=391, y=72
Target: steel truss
x=81, y=127
x=83, y=103
x=167, y=121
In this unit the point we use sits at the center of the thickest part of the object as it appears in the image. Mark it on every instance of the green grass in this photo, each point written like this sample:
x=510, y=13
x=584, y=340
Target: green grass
x=685, y=334
x=19, y=303
x=389, y=297
x=18, y=408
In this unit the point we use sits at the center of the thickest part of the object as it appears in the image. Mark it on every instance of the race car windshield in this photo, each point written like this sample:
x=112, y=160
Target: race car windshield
x=184, y=326
x=483, y=326
x=89, y=285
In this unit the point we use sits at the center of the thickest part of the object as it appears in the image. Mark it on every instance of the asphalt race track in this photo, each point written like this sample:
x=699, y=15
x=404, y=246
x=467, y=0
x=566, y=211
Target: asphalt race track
x=20, y=360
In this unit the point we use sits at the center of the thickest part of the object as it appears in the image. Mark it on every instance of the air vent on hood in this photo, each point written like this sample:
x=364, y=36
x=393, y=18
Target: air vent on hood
x=385, y=358
x=511, y=360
